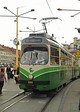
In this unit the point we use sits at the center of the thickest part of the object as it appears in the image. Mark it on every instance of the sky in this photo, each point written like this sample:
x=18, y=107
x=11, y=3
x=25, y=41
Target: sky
x=43, y=9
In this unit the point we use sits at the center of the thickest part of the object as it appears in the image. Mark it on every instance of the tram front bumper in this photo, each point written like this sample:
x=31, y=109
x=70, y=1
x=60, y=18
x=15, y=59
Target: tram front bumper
x=30, y=84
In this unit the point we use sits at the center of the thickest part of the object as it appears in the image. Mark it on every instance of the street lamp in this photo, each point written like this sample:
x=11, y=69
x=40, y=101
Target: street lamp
x=78, y=29
x=16, y=15
x=59, y=9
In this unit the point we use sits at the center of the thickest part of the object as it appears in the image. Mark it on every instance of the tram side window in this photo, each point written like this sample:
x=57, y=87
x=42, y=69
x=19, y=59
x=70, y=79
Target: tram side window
x=54, y=58
x=69, y=60
x=76, y=63
x=65, y=59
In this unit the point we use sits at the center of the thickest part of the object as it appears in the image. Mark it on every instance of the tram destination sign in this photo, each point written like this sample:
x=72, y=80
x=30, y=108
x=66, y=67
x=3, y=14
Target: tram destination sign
x=32, y=40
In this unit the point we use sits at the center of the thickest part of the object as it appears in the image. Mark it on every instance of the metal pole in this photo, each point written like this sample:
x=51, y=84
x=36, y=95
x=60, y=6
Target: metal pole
x=17, y=39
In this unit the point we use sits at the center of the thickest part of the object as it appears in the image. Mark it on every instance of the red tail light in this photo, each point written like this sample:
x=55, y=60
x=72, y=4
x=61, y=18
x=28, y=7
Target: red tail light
x=18, y=78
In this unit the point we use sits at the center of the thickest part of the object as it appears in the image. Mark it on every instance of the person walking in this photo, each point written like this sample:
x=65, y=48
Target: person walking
x=2, y=78
x=8, y=71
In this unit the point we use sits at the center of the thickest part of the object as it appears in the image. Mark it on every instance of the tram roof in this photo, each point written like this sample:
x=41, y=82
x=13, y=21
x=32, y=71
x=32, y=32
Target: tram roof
x=39, y=38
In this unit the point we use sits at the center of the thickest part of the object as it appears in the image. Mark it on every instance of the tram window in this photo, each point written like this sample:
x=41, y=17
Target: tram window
x=35, y=48
x=66, y=59
x=54, y=61
x=54, y=58
x=76, y=63
x=54, y=51
x=34, y=55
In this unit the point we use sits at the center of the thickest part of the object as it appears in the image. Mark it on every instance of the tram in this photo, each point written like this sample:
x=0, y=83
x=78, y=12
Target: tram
x=45, y=65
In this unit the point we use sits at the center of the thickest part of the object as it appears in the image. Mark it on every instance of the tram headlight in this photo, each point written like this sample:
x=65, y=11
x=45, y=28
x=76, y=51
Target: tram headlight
x=30, y=77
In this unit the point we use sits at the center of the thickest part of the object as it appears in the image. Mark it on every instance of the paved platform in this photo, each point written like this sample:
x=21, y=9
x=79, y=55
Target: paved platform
x=10, y=89
x=71, y=97
x=67, y=100
x=11, y=85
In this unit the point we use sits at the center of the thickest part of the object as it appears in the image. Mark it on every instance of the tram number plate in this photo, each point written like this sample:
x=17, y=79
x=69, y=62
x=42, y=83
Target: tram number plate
x=30, y=82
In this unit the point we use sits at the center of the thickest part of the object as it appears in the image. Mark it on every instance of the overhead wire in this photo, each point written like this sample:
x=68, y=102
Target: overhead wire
x=52, y=13
x=49, y=7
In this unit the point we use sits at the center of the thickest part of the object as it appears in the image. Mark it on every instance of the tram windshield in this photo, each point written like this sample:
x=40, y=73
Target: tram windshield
x=34, y=55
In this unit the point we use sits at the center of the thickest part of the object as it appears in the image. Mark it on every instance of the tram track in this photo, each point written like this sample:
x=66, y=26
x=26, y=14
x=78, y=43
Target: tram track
x=16, y=95
x=55, y=94
x=12, y=101
x=36, y=103
x=61, y=97
x=65, y=95
x=46, y=104
x=49, y=100
x=43, y=107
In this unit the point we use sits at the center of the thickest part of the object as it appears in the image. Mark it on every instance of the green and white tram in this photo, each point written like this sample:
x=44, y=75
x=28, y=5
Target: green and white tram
x=45, y=65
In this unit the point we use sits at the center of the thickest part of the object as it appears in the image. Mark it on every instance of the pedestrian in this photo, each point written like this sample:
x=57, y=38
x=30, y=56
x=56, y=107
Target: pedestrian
x=8, y=71
x=2, y=78
x=12, y=74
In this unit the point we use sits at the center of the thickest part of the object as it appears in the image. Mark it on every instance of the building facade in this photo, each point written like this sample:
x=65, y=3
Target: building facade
x=7, y=55
x=75, y=44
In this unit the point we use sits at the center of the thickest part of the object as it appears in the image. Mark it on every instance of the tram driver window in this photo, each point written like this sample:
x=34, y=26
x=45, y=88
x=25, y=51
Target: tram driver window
x=35, y=55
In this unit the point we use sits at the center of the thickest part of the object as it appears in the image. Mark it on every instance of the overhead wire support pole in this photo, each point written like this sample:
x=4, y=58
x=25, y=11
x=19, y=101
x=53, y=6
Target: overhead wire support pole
x=17, y=39
x=16, y=15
